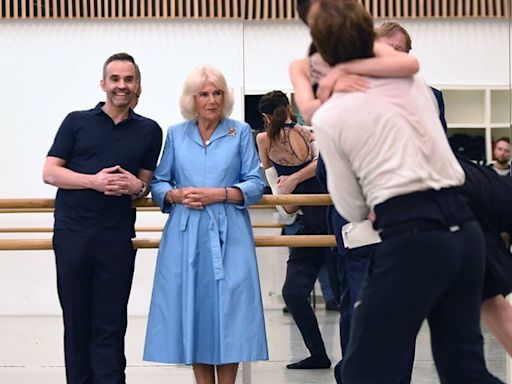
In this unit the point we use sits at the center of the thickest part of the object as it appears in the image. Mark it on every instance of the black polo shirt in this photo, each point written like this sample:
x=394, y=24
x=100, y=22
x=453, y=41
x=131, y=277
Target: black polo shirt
x=89, y=141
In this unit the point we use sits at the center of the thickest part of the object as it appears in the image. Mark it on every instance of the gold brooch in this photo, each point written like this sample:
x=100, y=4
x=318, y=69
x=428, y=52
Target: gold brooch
x=231, y=131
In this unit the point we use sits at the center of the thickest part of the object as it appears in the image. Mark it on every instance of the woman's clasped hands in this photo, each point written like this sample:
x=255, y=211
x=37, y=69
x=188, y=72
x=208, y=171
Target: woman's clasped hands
x=196, y=197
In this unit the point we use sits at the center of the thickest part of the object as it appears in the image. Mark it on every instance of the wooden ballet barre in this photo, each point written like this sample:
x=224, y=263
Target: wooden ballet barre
x=26, y=210
x=142, y=243
x=296, y=241
x=267, y=200
x=137, y=229
x=50, y=210
x=26, y=230
x=139, y=209
x=26, y=203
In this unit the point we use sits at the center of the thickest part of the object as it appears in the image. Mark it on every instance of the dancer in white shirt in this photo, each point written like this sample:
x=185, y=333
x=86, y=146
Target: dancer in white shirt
x=388, y=153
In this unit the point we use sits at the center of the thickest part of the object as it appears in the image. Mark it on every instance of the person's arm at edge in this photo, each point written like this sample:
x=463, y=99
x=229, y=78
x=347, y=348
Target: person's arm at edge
x=262, y=144
x=301, y=82
x=387, y=62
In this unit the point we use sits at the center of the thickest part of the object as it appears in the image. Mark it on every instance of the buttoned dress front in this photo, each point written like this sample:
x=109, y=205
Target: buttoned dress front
x=206, y=302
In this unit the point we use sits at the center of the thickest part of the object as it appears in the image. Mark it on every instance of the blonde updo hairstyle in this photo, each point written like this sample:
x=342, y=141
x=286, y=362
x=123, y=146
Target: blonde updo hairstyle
x=193, y=84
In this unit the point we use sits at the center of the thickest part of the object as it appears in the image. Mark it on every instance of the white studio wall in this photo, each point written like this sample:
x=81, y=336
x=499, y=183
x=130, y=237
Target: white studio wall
x=50, y=68
x=451, y=52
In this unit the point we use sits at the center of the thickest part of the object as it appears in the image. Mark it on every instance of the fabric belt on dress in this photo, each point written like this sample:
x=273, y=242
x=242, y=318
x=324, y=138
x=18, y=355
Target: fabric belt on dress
x=217, y=230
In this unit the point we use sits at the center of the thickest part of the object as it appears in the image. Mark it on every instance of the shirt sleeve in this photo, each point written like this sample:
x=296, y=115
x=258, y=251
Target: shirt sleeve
x=155, y=144
x=251, y=184
x=62, y=146
x=163, y=176
x=342, y=183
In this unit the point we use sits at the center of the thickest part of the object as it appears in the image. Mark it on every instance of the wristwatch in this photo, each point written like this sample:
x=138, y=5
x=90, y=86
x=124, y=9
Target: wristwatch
x=142, y=190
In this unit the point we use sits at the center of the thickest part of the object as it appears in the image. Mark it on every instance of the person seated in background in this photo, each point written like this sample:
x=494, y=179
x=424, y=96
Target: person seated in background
x=290, y=149
x=397, y=37
x=501, y=156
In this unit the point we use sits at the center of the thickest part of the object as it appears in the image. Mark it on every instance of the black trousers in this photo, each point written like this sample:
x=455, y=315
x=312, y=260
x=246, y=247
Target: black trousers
x=301, y=274
x=94, y=277
x=424, y=269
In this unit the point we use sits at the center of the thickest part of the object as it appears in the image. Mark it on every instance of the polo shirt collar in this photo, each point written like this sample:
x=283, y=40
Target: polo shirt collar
x=98, y=110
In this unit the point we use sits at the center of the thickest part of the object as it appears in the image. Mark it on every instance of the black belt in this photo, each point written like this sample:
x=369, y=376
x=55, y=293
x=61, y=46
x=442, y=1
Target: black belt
x=414, y=227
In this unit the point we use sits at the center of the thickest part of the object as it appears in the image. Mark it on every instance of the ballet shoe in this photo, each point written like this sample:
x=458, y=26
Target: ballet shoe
x=312, y=362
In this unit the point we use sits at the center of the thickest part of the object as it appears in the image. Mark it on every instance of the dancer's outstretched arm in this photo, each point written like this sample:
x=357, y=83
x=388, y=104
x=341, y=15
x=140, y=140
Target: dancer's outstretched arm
x=346, y=77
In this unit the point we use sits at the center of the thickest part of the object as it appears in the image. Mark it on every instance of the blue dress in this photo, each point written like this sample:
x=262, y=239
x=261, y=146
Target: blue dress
x=206, y=303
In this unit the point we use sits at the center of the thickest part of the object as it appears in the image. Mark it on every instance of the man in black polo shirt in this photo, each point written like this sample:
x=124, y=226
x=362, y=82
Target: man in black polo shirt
x=101, y=160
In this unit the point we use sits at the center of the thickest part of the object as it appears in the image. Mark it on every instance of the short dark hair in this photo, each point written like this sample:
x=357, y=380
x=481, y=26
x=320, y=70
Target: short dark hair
x=137, y=73
x=118, y=57
x=389, y=28
x=343, y=31
x=302, y=8
x=504, y=138
x=275, y=104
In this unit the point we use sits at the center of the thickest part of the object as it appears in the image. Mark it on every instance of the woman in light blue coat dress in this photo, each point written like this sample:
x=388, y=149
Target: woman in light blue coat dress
x=206, y=305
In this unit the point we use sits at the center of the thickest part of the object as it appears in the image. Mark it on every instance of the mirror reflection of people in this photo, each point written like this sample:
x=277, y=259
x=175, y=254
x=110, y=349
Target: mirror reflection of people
x=384, y=158
x=290, y=149
x=101, y=160
x=206, y=307
x=501, y=156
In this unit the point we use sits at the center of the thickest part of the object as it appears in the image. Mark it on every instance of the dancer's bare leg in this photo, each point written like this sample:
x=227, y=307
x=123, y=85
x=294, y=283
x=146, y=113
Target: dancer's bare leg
x=497, y=315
